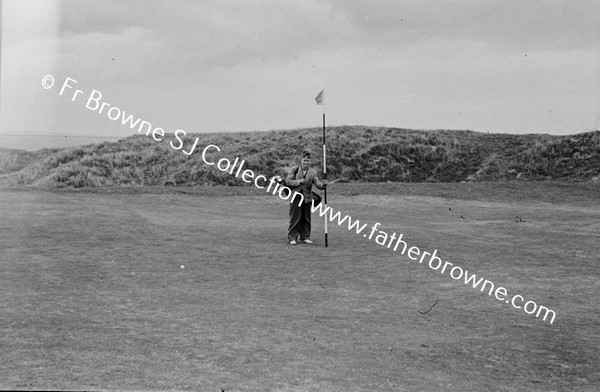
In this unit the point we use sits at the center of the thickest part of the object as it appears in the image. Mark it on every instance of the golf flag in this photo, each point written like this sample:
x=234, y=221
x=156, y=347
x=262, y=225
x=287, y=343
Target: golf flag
x=319, y=98
x=321, y=101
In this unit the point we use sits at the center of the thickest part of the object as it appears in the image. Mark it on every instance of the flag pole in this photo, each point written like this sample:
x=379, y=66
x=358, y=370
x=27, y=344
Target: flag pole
x=321, y=101
x=324, y=172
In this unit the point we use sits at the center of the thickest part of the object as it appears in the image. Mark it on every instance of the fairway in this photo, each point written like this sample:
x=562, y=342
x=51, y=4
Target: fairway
x=187, y=289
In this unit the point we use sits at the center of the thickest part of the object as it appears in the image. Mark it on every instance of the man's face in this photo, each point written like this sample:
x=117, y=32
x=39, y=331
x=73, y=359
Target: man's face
x=305, y=163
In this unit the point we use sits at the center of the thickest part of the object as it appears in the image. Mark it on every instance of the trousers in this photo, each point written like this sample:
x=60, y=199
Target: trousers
x=299, y=222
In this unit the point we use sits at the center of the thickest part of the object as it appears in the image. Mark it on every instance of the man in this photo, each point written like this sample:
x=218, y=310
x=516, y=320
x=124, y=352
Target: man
x=301, y=179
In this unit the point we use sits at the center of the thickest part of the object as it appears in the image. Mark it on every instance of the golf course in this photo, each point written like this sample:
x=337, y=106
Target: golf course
x=300, y=196
x=196, y=288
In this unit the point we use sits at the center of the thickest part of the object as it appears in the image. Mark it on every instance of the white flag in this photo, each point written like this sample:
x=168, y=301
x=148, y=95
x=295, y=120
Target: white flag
x=320, y=98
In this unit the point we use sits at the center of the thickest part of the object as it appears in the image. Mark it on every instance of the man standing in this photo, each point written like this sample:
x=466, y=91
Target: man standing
x=302, y=179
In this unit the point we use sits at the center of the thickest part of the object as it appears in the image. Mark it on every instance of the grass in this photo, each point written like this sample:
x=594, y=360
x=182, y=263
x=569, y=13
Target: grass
x=94, y=296
x=356, y=153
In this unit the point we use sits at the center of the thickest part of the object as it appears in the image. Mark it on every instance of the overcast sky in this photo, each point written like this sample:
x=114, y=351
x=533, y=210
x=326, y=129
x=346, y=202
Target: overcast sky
x=499, y=66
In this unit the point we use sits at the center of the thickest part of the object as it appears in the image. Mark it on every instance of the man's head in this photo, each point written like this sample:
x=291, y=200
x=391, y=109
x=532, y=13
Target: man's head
x=305, y=160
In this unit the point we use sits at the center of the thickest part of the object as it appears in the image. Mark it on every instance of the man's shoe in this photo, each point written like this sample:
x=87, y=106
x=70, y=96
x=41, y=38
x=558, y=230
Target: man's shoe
x=293, y=242
x=307, y=241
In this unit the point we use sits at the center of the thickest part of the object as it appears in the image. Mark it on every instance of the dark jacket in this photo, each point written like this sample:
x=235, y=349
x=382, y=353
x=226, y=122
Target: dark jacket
x=295, y=174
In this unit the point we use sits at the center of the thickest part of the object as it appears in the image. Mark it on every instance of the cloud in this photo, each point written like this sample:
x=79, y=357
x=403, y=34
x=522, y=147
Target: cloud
x=516, y=24
x=200, y=35
x=152, y=37
x=167, y=59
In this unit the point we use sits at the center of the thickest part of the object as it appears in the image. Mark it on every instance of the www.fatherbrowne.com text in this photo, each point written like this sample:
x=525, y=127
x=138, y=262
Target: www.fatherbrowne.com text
x=395, y=242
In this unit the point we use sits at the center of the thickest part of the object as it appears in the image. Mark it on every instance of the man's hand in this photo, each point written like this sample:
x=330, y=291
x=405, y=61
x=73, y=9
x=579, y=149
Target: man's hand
x=324, y=183
x=302, y=181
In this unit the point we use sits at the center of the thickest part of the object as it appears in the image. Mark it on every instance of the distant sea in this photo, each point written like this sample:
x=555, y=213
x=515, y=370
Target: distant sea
x=37, y=142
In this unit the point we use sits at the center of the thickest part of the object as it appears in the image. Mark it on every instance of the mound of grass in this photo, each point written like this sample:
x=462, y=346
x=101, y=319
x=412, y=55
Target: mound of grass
x=14, y=160
x=355, y=153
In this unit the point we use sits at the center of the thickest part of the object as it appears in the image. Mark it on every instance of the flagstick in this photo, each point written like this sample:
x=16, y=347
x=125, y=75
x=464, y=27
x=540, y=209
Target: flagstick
x=324, y=173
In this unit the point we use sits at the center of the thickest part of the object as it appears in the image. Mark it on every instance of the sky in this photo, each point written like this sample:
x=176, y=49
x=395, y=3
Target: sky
x=504, y=66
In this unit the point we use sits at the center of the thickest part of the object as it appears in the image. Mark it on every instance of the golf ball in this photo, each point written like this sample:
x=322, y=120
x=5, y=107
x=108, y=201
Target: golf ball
x=183, y=266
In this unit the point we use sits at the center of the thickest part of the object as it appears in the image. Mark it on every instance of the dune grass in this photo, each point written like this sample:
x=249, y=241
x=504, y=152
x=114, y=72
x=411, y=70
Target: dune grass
x=356, y=153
